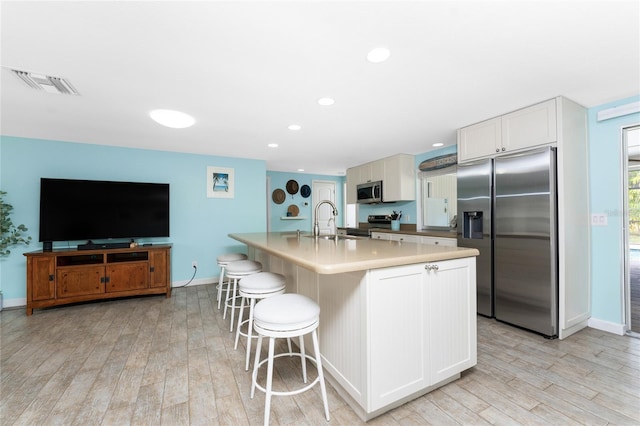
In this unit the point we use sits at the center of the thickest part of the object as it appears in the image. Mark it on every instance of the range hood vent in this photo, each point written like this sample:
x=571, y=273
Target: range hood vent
x=47, y=83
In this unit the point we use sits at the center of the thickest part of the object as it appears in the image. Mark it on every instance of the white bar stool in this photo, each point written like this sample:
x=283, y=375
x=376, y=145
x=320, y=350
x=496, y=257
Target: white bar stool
x=223, y=260
x=287, y=315
x=255, y=287
x=235, y=271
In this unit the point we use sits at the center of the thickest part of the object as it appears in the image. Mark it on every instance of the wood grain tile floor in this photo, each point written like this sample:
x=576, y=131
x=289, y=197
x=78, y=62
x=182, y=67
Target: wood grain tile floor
x=153, y=361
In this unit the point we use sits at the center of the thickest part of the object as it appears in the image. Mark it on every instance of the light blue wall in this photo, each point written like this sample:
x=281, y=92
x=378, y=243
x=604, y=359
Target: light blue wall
x=279, y=180
x=605, y=151
x=198, y=227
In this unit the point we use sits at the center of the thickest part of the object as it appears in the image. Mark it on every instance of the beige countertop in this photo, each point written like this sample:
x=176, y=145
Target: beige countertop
x=328, y=256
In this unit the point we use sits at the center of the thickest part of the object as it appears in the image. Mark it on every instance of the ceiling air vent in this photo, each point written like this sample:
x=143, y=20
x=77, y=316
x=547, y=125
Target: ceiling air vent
x=47, y=83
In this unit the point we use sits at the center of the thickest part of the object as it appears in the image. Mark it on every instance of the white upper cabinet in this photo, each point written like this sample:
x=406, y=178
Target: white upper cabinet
x=397, y=174
x=371, y=172
x=480, y=140
x=353, y=179
x=529, y=127
x=521, y=129
x=399, y=183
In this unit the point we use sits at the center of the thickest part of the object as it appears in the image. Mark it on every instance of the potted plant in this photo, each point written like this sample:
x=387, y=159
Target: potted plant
x=10, y=234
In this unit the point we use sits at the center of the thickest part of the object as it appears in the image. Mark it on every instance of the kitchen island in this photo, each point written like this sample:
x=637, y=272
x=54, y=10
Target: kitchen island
x=397, y=320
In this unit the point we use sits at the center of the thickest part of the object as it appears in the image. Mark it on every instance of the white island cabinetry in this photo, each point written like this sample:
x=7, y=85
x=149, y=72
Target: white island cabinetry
x=398, y=319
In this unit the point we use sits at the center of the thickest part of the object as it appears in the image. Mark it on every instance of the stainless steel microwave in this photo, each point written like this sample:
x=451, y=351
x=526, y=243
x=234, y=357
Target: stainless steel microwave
x=370, y=192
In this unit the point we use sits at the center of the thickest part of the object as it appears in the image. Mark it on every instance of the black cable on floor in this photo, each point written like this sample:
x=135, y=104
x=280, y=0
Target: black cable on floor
x=195, y=269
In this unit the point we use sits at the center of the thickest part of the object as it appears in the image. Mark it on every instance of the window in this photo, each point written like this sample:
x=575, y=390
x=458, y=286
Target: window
x=438, y=198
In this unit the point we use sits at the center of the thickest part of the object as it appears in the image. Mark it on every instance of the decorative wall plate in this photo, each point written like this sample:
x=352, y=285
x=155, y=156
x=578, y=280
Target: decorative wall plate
x=305, y=191
x=294, y=210
x=278, y=196
x=292, y=187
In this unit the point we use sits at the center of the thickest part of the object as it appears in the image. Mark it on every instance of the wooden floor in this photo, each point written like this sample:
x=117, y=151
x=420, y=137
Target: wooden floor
x=152, y=360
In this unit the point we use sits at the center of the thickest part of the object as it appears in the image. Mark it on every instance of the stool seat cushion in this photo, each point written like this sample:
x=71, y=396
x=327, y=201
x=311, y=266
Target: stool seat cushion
x=231, y=257
x=262, y=282
x=242, y=267
x=286, y=312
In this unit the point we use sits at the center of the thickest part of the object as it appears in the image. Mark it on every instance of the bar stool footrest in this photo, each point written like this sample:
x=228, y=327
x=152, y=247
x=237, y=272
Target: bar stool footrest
x=286, y=393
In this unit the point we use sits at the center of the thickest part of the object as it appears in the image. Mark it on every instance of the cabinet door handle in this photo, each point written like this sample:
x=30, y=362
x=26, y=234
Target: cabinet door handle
x=51, y=277
x=152, y=269
x=101, y=280
x=431, y=267
x=497, y=149
x=503, y=148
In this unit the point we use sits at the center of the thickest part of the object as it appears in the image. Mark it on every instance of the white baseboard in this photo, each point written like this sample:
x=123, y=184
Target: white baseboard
x=13, y=303
x=610, y=327
x=199, y=281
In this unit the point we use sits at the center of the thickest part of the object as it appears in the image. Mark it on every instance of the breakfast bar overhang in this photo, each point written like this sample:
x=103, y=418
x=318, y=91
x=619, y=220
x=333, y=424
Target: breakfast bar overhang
x=397, y=320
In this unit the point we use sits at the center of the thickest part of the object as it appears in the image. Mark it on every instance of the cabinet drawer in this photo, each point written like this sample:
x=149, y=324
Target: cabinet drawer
x=380, y=236
x=405, y=238
x=449, y=242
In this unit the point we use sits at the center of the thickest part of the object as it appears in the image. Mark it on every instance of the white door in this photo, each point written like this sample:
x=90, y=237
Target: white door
x=324, y=190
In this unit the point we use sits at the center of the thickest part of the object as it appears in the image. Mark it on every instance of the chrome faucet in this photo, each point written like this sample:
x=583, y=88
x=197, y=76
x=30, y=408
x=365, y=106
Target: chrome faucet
x=316, y=225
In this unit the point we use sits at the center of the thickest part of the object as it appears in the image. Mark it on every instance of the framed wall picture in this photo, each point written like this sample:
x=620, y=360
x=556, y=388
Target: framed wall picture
x=220, y=182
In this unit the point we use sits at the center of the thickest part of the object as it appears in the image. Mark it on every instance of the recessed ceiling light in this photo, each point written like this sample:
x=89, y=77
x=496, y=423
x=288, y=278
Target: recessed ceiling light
x=326, y=101
x=301, y=170
x=272, y=145
x=379, y=54
x=171, y=118
x=437, y=144
x=294, y=127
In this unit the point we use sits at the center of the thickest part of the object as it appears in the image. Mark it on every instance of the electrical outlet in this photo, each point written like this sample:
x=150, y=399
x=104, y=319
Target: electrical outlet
x=599, y=219
x=194, y=264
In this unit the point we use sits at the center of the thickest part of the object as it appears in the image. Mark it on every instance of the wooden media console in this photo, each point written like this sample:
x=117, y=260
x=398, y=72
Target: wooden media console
x=65, y=276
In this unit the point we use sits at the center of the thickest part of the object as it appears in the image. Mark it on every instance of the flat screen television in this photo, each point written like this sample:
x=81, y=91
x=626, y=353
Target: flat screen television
x=91, y=210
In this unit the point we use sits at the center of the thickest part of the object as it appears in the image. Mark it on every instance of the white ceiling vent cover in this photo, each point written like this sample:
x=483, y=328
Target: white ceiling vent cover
x=47, y=83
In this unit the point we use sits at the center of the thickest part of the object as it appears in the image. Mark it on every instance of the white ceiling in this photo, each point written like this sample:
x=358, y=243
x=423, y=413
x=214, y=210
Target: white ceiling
x=247, y=70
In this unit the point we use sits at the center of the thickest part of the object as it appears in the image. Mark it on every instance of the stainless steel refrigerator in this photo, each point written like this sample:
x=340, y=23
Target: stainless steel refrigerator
x=507, y=209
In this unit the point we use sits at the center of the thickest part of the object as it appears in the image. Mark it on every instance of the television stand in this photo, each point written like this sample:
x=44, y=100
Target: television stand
x=97, y=246
x=64, y=276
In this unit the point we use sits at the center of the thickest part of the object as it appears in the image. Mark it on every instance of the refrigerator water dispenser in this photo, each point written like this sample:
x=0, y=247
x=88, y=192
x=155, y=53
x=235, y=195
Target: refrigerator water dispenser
x=472, y=225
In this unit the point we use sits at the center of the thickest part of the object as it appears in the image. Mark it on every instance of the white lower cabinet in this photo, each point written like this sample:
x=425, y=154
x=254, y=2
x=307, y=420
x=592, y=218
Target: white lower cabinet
x=422, y=322
x=451, y=317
